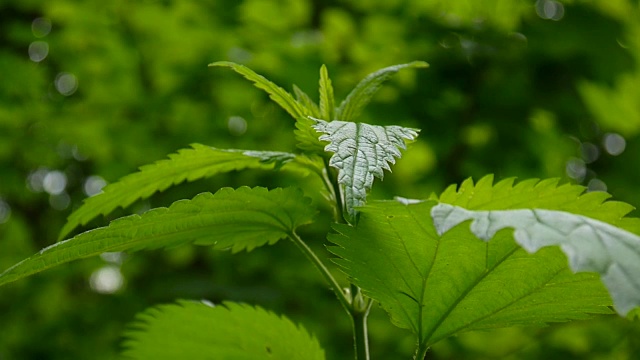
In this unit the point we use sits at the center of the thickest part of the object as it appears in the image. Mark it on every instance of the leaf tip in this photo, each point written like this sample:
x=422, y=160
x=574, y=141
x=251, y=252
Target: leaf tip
x=420, y=64
x=220, y=63
x=406, y=201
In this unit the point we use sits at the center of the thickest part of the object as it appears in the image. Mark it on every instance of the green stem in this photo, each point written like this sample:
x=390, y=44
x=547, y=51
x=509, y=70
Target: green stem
x=359, y=311
x=342, y=298
x=421, y=352
x=359, y=306
x=331, y=179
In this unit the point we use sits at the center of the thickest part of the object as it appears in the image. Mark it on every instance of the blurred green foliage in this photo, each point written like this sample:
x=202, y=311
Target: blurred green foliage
x=91, y=90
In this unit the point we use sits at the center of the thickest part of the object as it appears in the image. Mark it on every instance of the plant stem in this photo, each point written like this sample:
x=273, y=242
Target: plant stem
x=358, y=306
x=331, y=179
x=359, y=311
x=342, y=298
x=421, y=352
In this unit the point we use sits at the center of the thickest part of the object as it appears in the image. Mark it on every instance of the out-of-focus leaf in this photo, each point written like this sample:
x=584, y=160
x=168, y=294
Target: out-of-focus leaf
x=194, y=330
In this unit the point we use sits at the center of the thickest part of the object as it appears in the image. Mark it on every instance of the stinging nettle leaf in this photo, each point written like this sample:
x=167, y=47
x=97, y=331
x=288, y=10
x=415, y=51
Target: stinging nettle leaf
x=590, y=245
x=241, y=219
x=195, y=330
x=327, y=101
x=306, y=101
x=307, y=138
x=361, y=95
x=438, y=286
x=187, y=165
x=361, y=152
x=275, y=92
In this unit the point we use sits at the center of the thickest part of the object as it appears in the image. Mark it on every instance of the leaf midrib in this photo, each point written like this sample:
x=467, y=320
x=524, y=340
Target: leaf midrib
x=468, y=290
x=533, y=291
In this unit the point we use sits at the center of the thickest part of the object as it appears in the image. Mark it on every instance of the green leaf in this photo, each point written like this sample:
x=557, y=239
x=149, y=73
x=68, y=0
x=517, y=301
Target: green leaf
x=195, y=330
x=361, y=95
x=327, y=101
x=438, y=285
x=187, y=165
x=590, y=245
x=299, y=110
x=237, y=219
x=305, y=100
x=361, y=152
x=276, y=93
x=308, y=138
x=534, y=193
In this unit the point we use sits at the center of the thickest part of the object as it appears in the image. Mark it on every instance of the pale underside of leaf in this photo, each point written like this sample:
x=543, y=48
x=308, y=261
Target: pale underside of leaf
x=590, y=245
x=362, y=94
x=361, y=152
x=239, y=219
x=187, y=165
x=195, y=330
x=438, y=286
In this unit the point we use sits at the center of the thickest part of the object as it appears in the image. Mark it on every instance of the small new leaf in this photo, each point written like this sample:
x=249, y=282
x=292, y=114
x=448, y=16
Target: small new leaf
x=361, y=152
x=195, y=330
x=187, y=165
x=298, y=109
x=590, y=245
x=276, y=93
x=306, y=101
x=361, y=95
x=239, y=219
x=327, y=102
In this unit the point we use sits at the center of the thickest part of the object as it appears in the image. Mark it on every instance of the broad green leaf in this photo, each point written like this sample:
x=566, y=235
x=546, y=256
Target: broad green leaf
x=534, y=193
x=187, y=165
x=590, y=245
x=237, y=219
x=327, y=101
x=361, y=152
x=307, y=138
x=438, y=285
x=195, y=330
x=361, y=95
x=276, y=93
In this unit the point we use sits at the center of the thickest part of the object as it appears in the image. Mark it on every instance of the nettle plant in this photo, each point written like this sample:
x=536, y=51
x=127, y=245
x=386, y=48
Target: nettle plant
x=478, y=256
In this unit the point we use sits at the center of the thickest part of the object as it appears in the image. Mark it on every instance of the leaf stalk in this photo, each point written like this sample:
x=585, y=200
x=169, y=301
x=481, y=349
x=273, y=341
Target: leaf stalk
x=337, y=289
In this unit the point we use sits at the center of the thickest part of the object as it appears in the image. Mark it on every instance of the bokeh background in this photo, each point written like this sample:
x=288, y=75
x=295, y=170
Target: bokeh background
x=90, y=90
